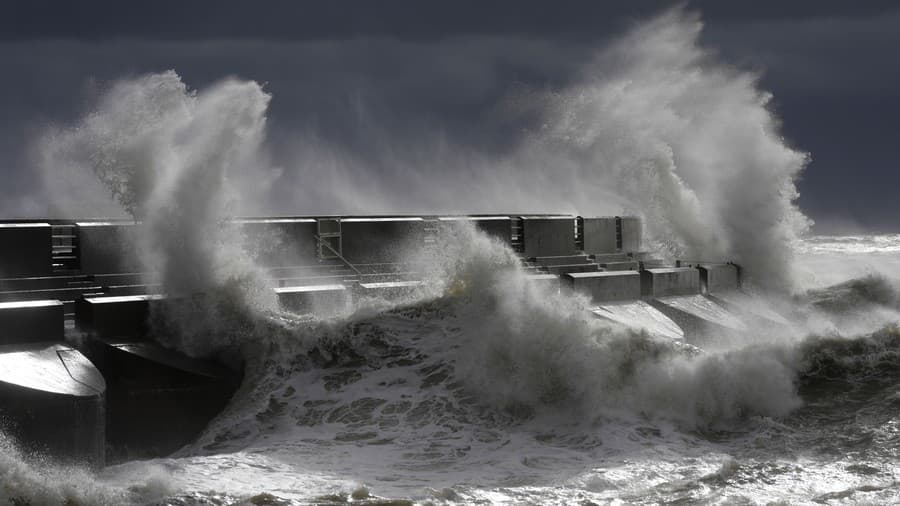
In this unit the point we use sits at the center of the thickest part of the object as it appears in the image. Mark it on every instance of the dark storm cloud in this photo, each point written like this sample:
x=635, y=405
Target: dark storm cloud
x=300, y=20
x=369, y=74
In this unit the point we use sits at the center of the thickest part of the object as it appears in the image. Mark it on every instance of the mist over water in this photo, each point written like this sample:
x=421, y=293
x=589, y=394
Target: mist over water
x=481, y=386
x=663, y=128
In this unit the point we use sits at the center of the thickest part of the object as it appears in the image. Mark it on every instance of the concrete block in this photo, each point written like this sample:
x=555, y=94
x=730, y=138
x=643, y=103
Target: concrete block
x=620, y=266
x=124, y=316
x=700, y=317
x=610, y=257
x=631, y=232
x=563, y=260
x=548, y=236
x=641, y=316
x=31, y=321
x=388, y=289
x=605, y=286
x=318, y=299
x=26, y=249
x=279, y=242
x=137, y=289
x=499, y=227
x=600, y=235
x=666, y=282
x=563, y=269
x=53, y=401
x=63, y=294
x=380, y=240
x=548, y=281
x=108, y=247
x=715, y=278
x=43, y=283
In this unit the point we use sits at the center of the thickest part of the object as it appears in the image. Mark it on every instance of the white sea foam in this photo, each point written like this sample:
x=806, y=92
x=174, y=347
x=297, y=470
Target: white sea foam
x=479, y=385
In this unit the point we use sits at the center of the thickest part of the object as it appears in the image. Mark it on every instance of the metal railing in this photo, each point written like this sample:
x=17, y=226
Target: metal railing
x=337, y=255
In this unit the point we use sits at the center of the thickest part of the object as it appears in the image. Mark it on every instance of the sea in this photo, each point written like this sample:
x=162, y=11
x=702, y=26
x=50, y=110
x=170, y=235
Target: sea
x=484, y=389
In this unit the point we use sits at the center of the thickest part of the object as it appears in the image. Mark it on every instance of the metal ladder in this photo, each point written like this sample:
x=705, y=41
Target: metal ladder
x=328, y=238
x=517, y=237
x=64, y=244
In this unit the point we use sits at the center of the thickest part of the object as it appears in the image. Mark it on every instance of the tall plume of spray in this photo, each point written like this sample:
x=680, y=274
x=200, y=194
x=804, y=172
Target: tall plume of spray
x=654, y=125
x=660, y=127
x=166, y=154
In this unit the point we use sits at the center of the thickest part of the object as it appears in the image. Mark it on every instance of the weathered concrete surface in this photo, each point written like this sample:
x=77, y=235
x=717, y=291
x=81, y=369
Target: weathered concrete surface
x=108, y=247
x=563, y=260
x=563, y=269
x=639, y=315
x=665, y=282
x=548, y=236
x=605, y=286
x=610, y=257
x=620, y=266
x=499, y=227
x=31, y=321
x=703, y=320
x=387, y=289
x=50, y=367
x=53, y=399
x=750, y=307
x=380, y=240
x=632, y=231
x=63, y=294
x=158, y=399
x=715, y=278
x=600, y=235
x=26, y=249
x=123, y=316
x=279, y=242
x=327, y=299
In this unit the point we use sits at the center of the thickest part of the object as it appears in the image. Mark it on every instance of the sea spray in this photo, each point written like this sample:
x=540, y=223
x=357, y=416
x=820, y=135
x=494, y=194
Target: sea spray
x=166, y=154
x=660, y=127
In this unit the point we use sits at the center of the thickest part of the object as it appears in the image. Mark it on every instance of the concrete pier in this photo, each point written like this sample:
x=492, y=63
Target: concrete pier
x=158, y=399
x=25, y=250
x=755, y=310
x=31, y=321
x=565, y=269
x=108, y=247
x=279, y=242
x=600, y=235
x=703, y=320
x=620, y=266
x=665, y=282
x=717, y=278
x=548, y=236
x=641, y=316
x=324, y=299
x=388, y=289
x=605, y=286
x=52, y=399
x=123, y=316
x=499, y=227
x=380, y=240
x=631, y=232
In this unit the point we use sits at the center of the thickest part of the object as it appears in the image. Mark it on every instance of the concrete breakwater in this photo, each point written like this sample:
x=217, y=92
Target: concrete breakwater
x=75, y=301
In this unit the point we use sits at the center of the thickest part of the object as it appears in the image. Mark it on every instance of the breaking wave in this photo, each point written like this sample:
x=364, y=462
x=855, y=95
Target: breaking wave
x=482, y=386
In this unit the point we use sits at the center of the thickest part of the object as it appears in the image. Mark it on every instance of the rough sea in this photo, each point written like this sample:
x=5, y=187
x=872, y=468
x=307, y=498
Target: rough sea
x=480, y=388
x=489, y=391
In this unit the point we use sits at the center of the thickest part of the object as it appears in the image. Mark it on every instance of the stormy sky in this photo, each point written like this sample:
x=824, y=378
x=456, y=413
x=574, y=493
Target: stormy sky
x=360, y=75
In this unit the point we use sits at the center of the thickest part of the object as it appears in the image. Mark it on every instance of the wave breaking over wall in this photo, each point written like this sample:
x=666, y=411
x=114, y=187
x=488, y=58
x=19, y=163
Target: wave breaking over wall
x=661, y=127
